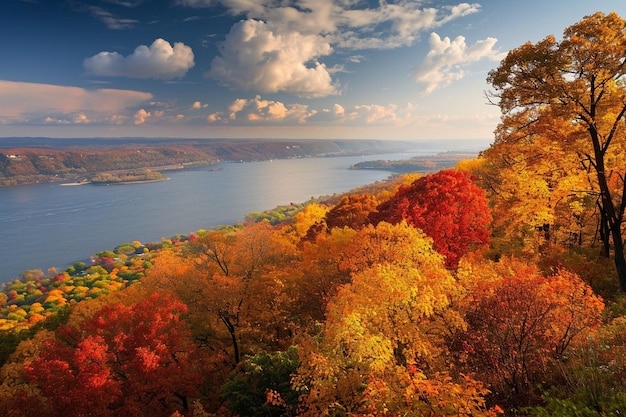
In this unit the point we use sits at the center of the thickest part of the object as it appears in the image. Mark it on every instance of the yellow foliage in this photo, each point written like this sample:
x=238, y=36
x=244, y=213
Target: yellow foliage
x=54, y=296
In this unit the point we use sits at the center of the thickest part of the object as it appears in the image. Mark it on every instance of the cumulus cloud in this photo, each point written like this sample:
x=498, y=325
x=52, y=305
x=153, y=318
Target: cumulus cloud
x=375, y=113
x=445, y=61
x=351, y=24
x=19, y=99
x=258, y=109
x=255, y=57
x=160, y=60
x=81, y=118
x=53, y=120
x=141, y=116
x=198, y=105
x=279, y=47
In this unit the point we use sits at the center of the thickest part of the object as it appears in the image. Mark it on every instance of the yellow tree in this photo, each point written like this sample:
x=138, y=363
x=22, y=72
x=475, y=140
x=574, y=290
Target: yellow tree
x=318, y=274
x=380, y=353
x=539, y=193
x=577, y=82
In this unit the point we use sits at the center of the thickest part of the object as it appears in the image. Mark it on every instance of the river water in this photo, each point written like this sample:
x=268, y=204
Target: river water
x=47, y=225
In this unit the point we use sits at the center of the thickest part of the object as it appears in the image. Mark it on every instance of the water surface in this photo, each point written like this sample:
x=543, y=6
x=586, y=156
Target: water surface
x=47, y=225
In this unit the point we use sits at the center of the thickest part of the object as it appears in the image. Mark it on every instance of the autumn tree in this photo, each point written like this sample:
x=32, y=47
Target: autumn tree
x=126, y=360
x=447, y=206
x=520, y=323
x=381, y=349
x=233, y=279
x=575, y=84
x=351, y=211
x=317, y=275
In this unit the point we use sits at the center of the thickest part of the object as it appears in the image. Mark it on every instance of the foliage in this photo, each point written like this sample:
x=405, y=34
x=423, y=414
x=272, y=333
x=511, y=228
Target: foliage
x=447, y=206
x=351, y=211
x=261, y=386
x=563, y=104
x=520, y=323
x=132, y=360
x=381, y=346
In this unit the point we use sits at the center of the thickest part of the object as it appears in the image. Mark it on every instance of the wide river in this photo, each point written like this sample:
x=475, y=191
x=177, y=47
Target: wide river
x=48, y=225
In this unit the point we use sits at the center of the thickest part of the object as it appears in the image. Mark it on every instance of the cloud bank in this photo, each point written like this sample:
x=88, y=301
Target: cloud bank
x=19, y=101
x=159, y=61
x=258, y=110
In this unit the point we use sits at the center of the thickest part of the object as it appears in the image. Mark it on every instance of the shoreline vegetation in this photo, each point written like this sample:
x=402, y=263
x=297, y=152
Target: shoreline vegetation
x=143, y=176
x=429, y=163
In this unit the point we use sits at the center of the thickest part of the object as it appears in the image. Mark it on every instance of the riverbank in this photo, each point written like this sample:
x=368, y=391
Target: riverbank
x=46, y=160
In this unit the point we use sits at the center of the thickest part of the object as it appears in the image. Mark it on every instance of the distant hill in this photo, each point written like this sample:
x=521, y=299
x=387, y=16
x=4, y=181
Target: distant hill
x=36, y=160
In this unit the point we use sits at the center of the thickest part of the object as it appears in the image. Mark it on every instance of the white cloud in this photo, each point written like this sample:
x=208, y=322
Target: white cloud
x=81, y=118
x=160, y=61
x=19, y=100
x=445, y=61
x=256, y=57
x=375, y=113
x=280, y=45
x=110, y=20
x=142, y=116
x=350, y=24
x=198, y=105
x=52, y=120
x=260, y=110
x=118, y=119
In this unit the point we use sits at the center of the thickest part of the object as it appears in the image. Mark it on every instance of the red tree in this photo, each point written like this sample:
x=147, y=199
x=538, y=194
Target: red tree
x=448, y=206
x=126, y=360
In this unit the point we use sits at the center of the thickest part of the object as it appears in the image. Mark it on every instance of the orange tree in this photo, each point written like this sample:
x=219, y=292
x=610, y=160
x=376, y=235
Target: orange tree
x=520, y=322
x=448, y=206
x=577, y=85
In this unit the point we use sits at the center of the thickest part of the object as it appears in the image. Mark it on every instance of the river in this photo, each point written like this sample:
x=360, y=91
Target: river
x=48, y=225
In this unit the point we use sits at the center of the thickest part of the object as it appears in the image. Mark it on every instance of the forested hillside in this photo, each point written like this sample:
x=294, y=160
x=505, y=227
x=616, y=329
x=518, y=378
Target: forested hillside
x=494, y=288
x=45, y=160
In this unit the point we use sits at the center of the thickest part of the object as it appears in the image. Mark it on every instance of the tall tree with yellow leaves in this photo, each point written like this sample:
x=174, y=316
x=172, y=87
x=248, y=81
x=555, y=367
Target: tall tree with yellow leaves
x=577, y=82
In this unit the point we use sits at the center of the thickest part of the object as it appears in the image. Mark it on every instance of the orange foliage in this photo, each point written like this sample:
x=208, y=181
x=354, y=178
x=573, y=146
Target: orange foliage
x=520, y=322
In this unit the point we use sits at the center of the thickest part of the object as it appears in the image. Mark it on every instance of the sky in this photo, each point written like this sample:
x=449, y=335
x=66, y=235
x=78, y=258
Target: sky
x=336, y=69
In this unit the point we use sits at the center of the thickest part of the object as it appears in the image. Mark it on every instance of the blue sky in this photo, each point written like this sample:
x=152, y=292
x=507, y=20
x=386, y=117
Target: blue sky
x=363, y=69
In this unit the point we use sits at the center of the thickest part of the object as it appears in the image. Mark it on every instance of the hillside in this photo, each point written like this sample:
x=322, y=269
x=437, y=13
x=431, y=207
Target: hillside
x=35, y=160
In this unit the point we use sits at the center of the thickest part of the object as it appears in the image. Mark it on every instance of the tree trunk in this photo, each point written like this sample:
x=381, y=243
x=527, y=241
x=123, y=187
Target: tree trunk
x=225, y=317
x=620, y=259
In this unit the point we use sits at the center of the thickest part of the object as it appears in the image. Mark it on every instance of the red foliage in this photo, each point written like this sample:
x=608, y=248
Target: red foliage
x=447, y=206
x=126, y=360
